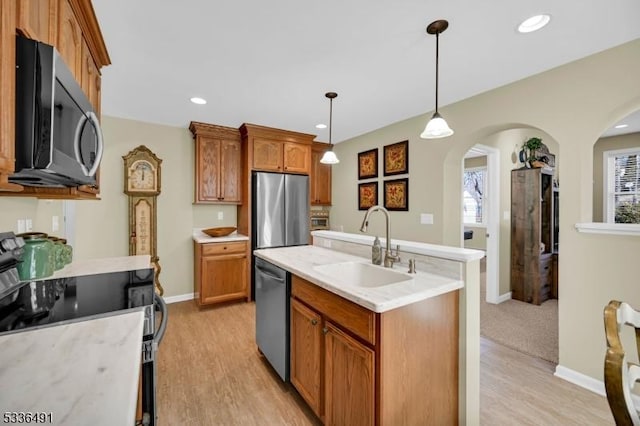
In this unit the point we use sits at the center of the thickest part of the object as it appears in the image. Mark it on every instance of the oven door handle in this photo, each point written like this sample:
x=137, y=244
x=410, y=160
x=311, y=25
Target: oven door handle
x=162, y=307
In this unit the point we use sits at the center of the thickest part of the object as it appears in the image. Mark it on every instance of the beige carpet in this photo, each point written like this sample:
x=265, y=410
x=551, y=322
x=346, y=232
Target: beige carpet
x=521, y=326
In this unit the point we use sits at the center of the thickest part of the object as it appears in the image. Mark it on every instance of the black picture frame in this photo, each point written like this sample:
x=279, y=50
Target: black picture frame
x=396, y=194
x=367, y=195
x=396, y=158
x=368, y=164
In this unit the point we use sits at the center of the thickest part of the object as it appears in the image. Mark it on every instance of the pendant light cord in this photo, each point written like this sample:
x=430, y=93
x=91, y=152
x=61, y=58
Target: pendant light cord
x=330, y=120
x=437, y=44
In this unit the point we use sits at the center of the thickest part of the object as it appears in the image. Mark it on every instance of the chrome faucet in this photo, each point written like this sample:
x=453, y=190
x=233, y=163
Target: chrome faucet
x=389, y=257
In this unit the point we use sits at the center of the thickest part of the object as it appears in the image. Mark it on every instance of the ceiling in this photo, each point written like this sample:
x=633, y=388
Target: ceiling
x=270, y=63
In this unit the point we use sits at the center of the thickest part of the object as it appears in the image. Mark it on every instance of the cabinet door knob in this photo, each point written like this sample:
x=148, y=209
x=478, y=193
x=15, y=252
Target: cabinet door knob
x=325, y=330
x=314, y=321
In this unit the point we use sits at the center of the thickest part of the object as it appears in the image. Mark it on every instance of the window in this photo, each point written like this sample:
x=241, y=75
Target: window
x=475, y=185
x=622, y=185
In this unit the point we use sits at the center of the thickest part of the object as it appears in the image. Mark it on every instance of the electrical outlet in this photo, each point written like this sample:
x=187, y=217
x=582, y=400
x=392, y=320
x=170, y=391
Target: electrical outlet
x=28, y=224
x=21, y=226
x=506, y=215
x=220, y=215
x=55, y=224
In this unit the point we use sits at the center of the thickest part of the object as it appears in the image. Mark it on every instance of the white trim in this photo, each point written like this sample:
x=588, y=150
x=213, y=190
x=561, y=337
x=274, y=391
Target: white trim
x=630, y=229
x=582, y=380
x=504, y=297
x=179, y=298
x=492, y=218
x=587, y=382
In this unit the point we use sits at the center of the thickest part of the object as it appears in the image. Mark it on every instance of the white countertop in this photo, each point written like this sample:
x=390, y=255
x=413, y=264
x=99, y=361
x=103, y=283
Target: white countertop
x=300, y=260
x=102, y=265
x=82, y=373
x=202, y=238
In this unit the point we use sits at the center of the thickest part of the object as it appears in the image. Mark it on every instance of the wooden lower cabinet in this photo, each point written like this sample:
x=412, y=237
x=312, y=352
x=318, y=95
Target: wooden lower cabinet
x=357, y=367
x=349, y=391
x=306, y=360
x=220, y=272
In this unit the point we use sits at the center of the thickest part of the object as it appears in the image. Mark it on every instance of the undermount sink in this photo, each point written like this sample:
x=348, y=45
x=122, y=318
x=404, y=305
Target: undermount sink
x=362, y=274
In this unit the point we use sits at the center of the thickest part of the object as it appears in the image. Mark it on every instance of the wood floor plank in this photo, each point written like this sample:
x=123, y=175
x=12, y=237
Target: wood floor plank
x=210, y=373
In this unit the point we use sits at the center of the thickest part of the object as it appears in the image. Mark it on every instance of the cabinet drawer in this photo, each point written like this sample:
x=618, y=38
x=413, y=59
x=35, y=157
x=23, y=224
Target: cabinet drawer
x=349, y=315
x=223, y=248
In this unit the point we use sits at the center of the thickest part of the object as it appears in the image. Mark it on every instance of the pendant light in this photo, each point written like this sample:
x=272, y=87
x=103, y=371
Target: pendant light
x=329, y=156
x=437, y=127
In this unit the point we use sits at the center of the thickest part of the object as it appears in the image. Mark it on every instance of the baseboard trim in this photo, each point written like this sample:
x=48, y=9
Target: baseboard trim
x=179, y=298
x=580, y=379
x=504, y=297
x=587, y=382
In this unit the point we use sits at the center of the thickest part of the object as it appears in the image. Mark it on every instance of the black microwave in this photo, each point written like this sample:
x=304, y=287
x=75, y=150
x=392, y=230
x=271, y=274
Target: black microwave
x=58, y=136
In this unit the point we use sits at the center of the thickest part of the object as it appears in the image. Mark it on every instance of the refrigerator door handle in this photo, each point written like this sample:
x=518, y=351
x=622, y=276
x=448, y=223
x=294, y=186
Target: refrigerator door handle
x=273, y=277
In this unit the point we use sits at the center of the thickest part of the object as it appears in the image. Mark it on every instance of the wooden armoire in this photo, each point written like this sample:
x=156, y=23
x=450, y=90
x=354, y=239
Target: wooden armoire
x=532, y=235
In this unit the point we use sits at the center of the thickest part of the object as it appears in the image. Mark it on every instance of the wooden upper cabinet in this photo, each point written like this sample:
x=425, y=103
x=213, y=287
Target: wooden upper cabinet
x=276, y=150
x=297, y=158
x=35, y=19
x=218, y=168
x=267, y=155
x=91, y=79
x=320, y=177
x=70, y=39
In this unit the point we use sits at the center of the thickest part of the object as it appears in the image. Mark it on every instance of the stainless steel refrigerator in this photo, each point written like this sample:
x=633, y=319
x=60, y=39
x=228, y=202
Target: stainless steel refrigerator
x=280, y=217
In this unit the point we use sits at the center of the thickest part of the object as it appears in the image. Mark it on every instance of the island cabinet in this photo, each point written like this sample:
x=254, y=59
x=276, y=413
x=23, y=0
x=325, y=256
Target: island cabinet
x=218, y=168
x=357, y=367
x=320, y=177
x=72, y=28
x=220, y=272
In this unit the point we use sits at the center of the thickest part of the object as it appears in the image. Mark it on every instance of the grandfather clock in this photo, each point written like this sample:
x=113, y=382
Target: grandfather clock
x=142, y=185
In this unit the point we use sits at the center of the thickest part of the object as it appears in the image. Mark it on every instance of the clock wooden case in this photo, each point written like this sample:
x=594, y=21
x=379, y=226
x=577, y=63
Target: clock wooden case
x=142, y=185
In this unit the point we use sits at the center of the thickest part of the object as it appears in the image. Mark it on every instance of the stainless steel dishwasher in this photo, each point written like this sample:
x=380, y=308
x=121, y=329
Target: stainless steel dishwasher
x=272, y=315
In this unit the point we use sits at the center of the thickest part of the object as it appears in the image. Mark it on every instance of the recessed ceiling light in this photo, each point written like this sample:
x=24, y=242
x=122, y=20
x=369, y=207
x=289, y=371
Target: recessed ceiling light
x=534, y=23
x=621, y=126
x=321, y=126
x=198, y=101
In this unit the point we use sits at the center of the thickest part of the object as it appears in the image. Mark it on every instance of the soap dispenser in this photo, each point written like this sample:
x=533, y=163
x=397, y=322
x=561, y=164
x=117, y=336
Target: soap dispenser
x=376, y=252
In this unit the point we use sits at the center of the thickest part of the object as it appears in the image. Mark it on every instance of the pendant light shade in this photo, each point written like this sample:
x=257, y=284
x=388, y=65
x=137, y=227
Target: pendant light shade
x=329, y=156
x=437, y=127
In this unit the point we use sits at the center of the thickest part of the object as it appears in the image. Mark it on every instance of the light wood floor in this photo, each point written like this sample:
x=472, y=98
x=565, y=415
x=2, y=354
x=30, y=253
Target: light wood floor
x=211, y=373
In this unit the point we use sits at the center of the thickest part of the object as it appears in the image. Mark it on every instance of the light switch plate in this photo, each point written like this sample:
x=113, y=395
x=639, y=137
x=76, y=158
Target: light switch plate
x=426, y=218
x=28, y=224
x=55, y=223
x=21, y=226
x=506, y=215
x=220, y=215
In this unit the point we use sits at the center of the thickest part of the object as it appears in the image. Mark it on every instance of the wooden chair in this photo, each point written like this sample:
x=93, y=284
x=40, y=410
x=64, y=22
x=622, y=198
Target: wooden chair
x=620, y=375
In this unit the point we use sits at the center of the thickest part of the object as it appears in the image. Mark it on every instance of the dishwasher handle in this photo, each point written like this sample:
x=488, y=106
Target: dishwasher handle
x=271, y=276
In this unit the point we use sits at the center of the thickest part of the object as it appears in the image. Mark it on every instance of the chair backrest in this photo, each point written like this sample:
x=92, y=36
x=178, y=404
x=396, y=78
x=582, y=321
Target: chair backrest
x=620, y=375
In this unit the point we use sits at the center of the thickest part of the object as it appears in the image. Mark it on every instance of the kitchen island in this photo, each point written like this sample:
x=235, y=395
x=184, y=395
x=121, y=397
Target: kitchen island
x=83, y=372
x=373, y=345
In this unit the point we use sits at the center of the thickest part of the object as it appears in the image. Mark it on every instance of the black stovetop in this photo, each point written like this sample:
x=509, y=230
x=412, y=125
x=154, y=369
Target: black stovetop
x=50, y=301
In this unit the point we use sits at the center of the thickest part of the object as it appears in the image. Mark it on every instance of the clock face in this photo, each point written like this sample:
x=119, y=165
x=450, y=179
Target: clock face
x=142, y=177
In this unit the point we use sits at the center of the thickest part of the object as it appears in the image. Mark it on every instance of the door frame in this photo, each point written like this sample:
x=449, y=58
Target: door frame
x=493, y=221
